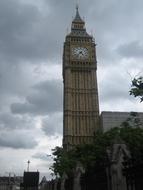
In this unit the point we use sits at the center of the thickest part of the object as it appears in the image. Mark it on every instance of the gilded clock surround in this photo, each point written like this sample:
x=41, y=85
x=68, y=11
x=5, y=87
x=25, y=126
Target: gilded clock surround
x=81, y=107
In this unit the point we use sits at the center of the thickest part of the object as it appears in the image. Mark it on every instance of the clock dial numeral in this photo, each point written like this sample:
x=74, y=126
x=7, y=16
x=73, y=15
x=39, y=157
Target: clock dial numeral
x=80, y=52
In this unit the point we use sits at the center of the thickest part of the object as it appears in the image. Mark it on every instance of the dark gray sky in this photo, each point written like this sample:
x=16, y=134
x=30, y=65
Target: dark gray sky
x=31, y=44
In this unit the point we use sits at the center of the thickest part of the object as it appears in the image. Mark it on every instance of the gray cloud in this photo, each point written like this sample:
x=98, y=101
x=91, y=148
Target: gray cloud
x=21, y=139
x=114, y=87
x=27, y=33
x=52, y=125
x=47, y=98
x=10, y=122
x=132, y=49
x=42, y=156
x=15, y=82
x=17, y=25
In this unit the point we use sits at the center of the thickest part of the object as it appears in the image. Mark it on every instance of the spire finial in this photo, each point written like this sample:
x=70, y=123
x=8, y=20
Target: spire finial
x=77, y=16
x=77, y=6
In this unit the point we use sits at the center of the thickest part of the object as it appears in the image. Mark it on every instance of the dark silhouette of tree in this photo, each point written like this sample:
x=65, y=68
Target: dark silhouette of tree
x=137, y=88
x=93, y=156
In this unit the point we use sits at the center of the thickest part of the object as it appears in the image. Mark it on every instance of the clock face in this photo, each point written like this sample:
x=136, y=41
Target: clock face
x=80, y=52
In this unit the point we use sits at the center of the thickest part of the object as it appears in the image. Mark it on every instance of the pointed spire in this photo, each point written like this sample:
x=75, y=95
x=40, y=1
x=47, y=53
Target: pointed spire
x=78, y=25
x=77, y=7
x=77, y=17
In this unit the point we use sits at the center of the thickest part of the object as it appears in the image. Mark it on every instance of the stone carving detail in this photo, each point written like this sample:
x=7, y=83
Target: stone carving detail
x=63, y=180
x=116, y=156
x=77, y=176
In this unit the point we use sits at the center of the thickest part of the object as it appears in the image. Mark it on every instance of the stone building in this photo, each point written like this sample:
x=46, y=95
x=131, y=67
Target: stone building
x=30, y=181
x=81, y=107
x=10, y=183
x=110, y=119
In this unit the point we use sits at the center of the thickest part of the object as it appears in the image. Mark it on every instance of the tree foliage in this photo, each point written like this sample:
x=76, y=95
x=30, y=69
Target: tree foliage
x=137, y=88
x=95, y=155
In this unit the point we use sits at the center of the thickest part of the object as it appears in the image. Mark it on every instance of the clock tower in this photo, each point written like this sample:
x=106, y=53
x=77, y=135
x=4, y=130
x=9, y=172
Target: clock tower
x=81, y=107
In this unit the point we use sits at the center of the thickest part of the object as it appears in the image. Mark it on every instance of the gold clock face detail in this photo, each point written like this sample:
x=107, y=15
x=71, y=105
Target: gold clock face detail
x=80, y=52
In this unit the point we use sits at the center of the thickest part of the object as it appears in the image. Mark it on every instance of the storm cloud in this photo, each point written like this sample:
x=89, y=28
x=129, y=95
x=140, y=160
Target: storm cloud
x=133, y=49
x=52, y=125
x=9, y=121
x=47, y=98
x=17, y=139
x=42, y=156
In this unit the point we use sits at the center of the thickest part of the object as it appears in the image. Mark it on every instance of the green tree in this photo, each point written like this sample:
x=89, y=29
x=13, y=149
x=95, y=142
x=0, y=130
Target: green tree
x=137, y=88
x=95, y=155
x=63, y=161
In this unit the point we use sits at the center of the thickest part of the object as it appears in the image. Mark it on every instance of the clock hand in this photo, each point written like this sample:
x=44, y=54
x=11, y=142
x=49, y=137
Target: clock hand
x=81, y=52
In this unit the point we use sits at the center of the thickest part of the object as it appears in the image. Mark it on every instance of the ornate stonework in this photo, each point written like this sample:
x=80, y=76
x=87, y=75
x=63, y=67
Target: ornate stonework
x=81, y=107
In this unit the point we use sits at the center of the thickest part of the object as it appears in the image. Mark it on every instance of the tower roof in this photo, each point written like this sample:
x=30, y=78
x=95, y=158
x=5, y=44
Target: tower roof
x=77, y=16
x=78, y=26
